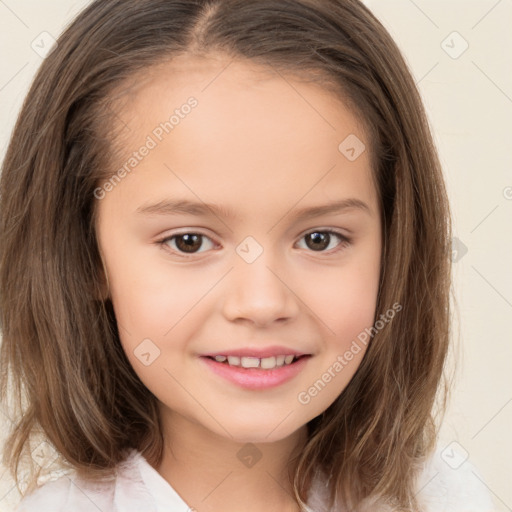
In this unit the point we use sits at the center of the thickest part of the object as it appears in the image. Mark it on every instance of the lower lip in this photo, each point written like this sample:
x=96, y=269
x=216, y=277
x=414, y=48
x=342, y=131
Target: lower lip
x=255, y=378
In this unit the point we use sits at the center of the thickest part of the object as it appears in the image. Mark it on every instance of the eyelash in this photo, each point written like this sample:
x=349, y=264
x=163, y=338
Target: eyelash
x=344, y=241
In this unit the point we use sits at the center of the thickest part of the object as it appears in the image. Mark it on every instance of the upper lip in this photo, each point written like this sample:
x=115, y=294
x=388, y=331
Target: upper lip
x=259, y=352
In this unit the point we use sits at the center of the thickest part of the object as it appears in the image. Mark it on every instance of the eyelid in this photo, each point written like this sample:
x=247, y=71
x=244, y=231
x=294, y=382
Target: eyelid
x=336, y=231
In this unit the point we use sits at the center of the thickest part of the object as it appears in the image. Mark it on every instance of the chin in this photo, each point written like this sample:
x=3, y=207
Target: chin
x=252, y=431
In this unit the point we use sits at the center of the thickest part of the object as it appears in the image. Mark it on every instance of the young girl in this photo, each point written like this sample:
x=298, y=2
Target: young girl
x=225, y=267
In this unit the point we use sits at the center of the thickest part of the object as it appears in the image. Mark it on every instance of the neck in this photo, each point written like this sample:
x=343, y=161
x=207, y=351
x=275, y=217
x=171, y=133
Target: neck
x=213, y=473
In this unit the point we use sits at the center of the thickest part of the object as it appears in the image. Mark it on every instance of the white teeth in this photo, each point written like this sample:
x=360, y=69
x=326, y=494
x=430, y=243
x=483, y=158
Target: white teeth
x=234, y=361
x=250, y=362
x=266, y=363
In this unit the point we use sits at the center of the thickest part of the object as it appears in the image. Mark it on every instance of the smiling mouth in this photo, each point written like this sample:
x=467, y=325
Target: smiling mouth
x=257, y=374
x=264, y=363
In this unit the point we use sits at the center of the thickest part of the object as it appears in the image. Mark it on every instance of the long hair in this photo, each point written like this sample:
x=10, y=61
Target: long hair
x=62, y=364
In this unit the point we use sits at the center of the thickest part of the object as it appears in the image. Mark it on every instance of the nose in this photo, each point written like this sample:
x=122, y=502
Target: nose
x=259, y=293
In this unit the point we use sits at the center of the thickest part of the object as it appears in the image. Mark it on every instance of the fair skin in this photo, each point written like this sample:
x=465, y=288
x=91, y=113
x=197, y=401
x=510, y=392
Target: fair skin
x=265, y=150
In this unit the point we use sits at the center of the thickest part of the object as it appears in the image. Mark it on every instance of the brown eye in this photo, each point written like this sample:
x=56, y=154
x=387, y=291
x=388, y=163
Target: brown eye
x=187, y=243
x=319, y=241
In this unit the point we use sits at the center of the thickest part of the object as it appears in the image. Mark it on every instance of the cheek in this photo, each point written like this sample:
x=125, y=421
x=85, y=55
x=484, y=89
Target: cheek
x=344, y=300
x=149, y=300
x=346, y=305
x=152, y=308
x=157, y=312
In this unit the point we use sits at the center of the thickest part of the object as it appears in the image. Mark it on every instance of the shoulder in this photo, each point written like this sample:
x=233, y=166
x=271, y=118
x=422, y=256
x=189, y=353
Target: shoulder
x=125, y=492
x=49, y=497
x=449, y=482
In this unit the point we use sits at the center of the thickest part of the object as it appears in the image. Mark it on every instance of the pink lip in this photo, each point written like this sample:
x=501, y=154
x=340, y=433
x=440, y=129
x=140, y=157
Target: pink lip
x=259, y=352
x=256, y=378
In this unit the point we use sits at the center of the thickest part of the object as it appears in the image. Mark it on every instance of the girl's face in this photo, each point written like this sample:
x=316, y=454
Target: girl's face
x=248, y=277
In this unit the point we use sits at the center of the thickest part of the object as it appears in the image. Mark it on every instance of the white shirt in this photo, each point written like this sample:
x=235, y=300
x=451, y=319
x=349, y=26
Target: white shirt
x=138, y=487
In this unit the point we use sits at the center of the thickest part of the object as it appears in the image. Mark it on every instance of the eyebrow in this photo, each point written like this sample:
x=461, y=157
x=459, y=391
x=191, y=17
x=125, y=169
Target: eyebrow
x=200, y=209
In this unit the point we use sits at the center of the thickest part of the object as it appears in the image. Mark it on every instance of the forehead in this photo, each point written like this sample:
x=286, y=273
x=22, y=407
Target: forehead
x=253, y=130
x=243, y=91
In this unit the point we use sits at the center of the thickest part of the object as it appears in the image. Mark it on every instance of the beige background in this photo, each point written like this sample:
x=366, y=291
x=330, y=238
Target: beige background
x=469, y=100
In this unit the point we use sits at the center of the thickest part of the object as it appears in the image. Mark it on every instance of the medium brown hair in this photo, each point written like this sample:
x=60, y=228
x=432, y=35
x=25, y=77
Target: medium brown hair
x=61, y=356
